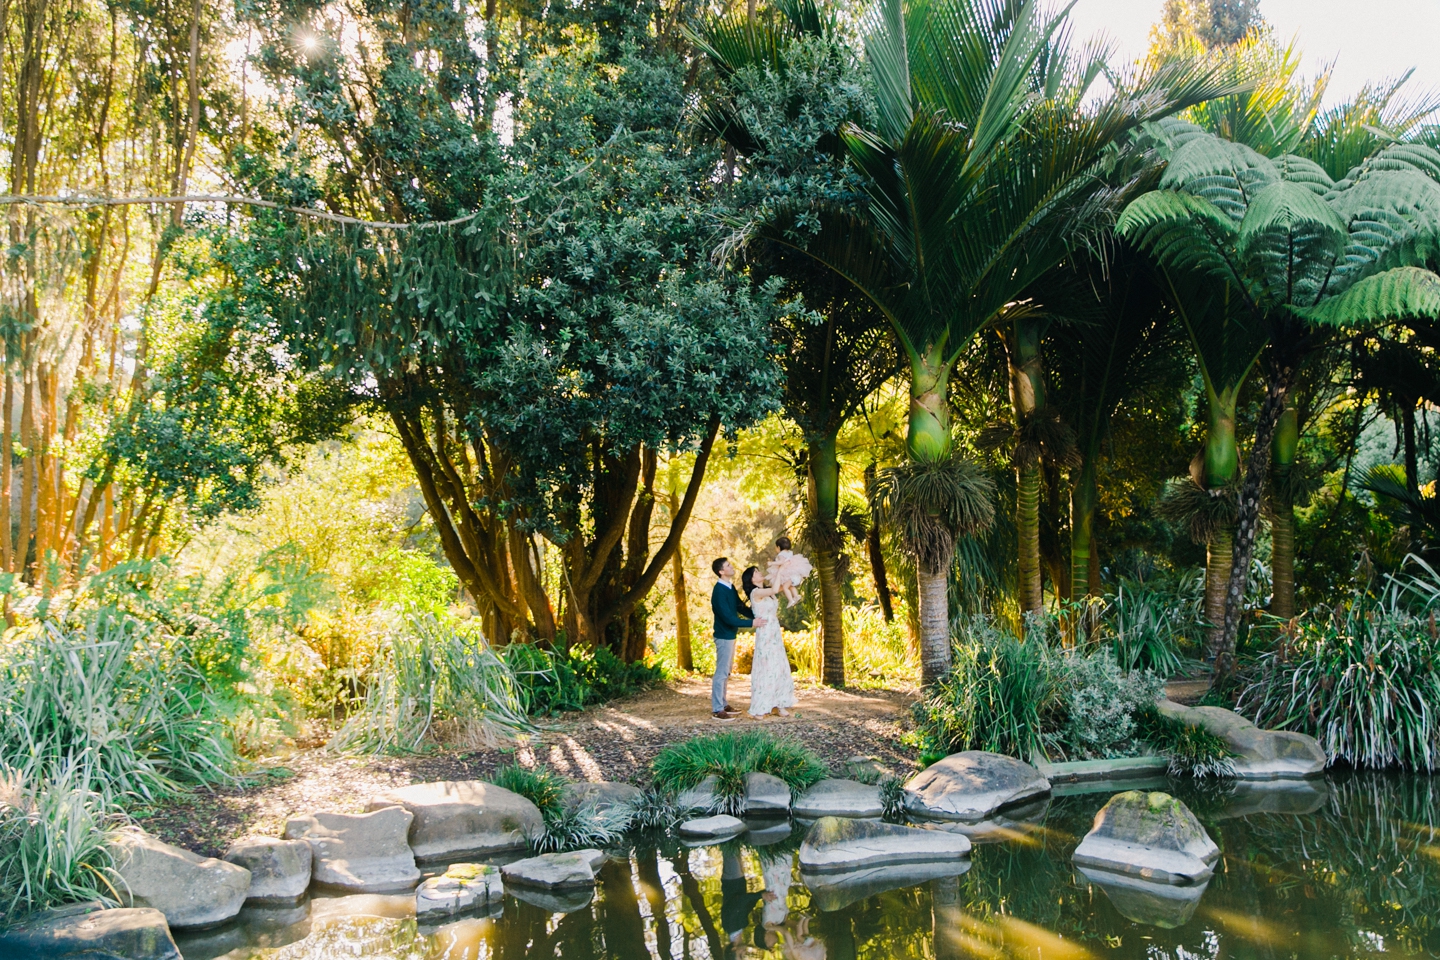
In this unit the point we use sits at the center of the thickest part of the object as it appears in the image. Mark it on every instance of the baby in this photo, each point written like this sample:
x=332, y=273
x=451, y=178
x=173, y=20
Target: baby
x=787, y=569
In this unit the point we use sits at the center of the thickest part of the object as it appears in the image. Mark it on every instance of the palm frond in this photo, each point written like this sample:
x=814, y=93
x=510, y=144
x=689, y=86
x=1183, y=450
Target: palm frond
x=930, y=504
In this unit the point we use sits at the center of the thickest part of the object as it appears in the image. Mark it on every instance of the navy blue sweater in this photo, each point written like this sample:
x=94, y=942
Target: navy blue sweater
x=725, y=604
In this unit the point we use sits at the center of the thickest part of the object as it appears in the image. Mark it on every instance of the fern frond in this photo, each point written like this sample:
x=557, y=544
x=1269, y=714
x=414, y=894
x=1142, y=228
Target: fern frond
x=1404, y=293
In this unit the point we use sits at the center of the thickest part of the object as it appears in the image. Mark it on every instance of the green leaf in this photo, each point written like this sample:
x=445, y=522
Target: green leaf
x=1404, y=293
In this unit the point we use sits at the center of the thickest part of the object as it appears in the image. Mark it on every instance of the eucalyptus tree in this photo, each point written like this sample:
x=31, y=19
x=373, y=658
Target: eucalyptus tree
x=786, y=83
x=540, y=320
x=974, y=173
x=1292, y=252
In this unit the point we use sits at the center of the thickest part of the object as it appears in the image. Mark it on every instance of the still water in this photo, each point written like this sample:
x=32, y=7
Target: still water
x=1338, y=868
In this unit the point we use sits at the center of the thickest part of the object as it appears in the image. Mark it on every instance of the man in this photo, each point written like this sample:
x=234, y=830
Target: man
x=725, y=605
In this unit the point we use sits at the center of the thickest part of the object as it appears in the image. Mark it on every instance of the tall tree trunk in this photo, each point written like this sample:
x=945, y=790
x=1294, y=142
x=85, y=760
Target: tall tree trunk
x=1218, y=471
x=876, y=554
x=1219, y=553
x=1247, y=521
x=1282, y=500
x=1027, y=397
x=1027, y=532
x=1083, y=499
x=683, y=659
x=824, y=494
x=928, y=438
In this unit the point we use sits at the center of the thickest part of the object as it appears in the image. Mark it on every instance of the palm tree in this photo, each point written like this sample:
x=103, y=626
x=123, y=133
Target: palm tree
x=977, y=169
x=1293, y=252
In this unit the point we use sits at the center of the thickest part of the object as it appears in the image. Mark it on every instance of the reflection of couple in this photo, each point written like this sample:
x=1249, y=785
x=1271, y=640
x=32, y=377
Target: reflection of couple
x=772, y=689
x=776, y=927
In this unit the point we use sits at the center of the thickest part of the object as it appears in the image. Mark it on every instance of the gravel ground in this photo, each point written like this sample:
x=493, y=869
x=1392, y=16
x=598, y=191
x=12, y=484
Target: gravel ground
x=613, y=742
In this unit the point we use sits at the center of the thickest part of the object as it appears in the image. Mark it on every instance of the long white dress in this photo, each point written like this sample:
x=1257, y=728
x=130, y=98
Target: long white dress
x=770, y=682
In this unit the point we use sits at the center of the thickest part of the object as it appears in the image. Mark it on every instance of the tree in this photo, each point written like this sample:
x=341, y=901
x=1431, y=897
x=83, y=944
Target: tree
x=788, y=83
x=1294, y=252
x=1211, y=23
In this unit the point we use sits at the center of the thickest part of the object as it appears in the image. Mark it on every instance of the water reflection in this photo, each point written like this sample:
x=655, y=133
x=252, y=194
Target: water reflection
x=1345, y=868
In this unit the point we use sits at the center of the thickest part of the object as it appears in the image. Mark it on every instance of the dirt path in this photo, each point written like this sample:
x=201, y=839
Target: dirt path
x=612, y=742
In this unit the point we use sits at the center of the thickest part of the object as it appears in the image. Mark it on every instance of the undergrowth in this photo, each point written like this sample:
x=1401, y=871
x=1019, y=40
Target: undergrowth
x=1193, y=751
x=729, y=757
x=568, y=825
x=552, y=683
x=53, y=844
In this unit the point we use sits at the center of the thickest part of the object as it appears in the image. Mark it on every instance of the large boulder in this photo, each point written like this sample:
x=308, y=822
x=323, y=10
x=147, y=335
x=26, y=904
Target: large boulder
x=1149, y=835
x=1259, y=754
x=603, y=796
x=835, y=845
x=555, y=871
x=191, y=890
x=279, y=869
x=766, y=794
x=972, y=786
x=87, y=930
x=464, y=818
x=462, y=887
x=839, y=798
x=359, y=852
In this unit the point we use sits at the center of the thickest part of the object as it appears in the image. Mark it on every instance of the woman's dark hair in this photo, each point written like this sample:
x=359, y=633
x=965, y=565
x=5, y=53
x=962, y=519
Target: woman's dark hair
x=783, y=543
x=747, y=581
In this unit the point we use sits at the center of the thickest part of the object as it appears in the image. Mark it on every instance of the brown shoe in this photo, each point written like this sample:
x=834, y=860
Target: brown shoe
x=723, y=715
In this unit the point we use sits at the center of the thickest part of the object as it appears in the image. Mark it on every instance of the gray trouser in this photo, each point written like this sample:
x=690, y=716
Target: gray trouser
x=724, y=655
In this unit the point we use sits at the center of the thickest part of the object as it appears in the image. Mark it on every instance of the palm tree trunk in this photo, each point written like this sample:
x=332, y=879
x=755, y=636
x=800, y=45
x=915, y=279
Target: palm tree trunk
x=1282, y=531
x=1082, y=530
x=876, y=554
x=934, y=624
x=929, y=439
x=1222, y=460
x=832, y=626
x=1218, y=555
x=1027, y=531
x=823, y=490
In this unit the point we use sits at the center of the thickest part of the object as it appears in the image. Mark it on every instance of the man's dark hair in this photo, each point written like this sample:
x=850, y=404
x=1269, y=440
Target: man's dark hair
x=718, y=563
x=783, y=543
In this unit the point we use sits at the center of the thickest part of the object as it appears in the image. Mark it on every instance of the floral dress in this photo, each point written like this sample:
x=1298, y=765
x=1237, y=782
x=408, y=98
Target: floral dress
x=770, y=682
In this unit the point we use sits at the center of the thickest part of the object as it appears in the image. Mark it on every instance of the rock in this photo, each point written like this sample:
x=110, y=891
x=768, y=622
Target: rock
x=191, y=890
x=555, y=871
x=1289, y=797
x=720, y=826
x=766, y=794
x=605, y=795
x=464, y=818
x=1259, y=754
x=1015, y=823
x=972, y=786
x=836, y=845
x=1149, y=835
x=763, y=833
x=358, y=852
x=1115, y=770
x=462, y=887
x=839, y=798
x=279, y=869
x=84, y=929
x=1161, y=905
x=555, y=901
x=702, y=796
x=836, y=891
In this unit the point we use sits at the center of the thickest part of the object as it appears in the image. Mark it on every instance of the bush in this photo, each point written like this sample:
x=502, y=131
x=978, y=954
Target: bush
x=53, y=844
x=567, y=827
x=1363, y=680
x=1193, y=750
x=553, y=683
x=729, y=757
x=1144, y=627
x=435, y=681
x=1101, y=702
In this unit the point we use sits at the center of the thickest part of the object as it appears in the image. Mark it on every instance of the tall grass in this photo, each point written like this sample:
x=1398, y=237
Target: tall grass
x=1144, y=627
x=53, y=844
x=729, y=757
x=435, y=682
x=568, y=826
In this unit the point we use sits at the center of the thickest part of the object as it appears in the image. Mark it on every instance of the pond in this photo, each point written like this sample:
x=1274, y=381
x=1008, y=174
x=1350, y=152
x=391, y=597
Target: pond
x=1348, y=866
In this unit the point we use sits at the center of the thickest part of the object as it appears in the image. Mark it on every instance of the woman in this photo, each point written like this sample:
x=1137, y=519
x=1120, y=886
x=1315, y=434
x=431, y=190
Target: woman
x=772, y=689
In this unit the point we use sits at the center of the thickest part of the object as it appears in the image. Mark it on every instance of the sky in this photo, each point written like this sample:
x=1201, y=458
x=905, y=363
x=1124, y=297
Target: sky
x=1366, y=39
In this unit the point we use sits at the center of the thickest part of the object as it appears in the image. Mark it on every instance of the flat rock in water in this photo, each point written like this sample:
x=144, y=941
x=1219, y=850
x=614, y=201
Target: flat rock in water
x=603, y=796
x=839, y=798
x=279, y=869
x=555, y=871
x=87, y=930
x=766, y=794
x=1163, y=905
x=1259, y=754
x=720, y=825
x=462, y=887
x=464, y=818
x=836, y=845
x=1294, y=797
x=1149, y=835
x=359, y=852
x=972, y=785
x=702, y=796
x=836, y=891
x=191, y=890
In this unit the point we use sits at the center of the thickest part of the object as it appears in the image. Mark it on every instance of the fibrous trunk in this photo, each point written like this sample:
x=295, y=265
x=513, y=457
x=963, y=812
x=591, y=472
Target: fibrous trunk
x=1282, y=500
x=1221, y=461
x=929, y=439
x=1218, y=555
x=1082, y=530
x=1027, y=396
x=934, y=624
x=823, y=490
x=1027, y=531
x=832, y=627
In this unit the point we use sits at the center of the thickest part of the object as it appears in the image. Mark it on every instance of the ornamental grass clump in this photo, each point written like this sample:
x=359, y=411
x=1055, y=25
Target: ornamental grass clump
x=1363, y=681
x=1192, y=750
x=729, y=757
x=568, y=826
x=53, y=844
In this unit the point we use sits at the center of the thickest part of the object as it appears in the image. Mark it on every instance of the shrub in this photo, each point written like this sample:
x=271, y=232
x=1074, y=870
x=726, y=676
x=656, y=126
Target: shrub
x=1101, y=702
x=567, y=826
x=1192, y=750
x=435, y=681
x=552, y=683
x=729, y=757
x=541, y=787
x=1143, y=627
x=997, y=696
x=53, y=848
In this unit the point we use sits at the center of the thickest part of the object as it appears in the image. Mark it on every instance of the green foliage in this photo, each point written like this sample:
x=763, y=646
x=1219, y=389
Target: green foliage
x=1143, y=625
x=568, y=826
x=892, y=800
x=1193, y=750
x=540, y=786
x=435, y=681
x=655, y=810
x=728, y=757
x=1101, y=703
x=53, y=836
x=552, y=683
x=1362, y=679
